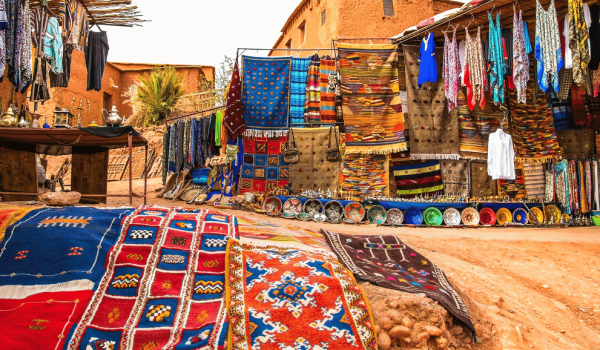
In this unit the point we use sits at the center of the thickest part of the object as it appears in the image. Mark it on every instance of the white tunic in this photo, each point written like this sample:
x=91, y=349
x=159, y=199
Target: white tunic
x=501, y=156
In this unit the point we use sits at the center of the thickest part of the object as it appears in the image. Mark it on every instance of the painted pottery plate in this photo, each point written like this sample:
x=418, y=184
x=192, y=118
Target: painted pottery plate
x=520, y=216
x=313, y=207
x=395, y=216
x=272, y=205
x=504, y=216
x=487, y=216
x=334, y=220
x=566, y=218
x=303, y=217
x=451, y=217
x=348, y=221
x=354, y=211
x=288, y=215
x=334, y=211
x=292, y=206
x=377, y=214
x=470, y=216
x=413, y=216
x=539, y=214
x=433, y=216
x=191, y=193
x=553, y=211
x=320, y=217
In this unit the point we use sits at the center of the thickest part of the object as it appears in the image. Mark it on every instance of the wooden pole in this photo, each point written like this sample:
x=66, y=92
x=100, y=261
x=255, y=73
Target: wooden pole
x=130, y=137
x=145, y=174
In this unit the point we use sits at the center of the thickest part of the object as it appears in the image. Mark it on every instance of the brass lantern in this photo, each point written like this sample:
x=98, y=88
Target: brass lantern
x=62, y=118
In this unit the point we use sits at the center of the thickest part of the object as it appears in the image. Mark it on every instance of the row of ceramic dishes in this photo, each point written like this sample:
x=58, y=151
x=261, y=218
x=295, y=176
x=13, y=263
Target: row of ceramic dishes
x=354, y=212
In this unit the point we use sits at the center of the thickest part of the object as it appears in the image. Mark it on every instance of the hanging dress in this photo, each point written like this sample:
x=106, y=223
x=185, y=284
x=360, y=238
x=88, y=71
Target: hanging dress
x=547, y=46
x=578, y=43
x=427, y=61
x=520, y=58
x=562, y=185
x=451, y=72
x=474, y=71
x=496, y=60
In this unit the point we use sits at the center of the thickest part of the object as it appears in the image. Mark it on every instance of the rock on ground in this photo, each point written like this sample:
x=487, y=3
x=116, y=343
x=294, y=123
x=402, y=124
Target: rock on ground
x=61, y=198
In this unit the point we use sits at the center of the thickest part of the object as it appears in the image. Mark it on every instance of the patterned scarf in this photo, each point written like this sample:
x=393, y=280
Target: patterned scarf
x=475, y=77
x=562, y=185
x=165, y=155
x=172, y=146
x=496, y=60
x=588, y=184
x=312, y=104
x=234, y=112
x=198, y=153
x=327, y=94
x=547, y=46
x=578, y=42
x=520, y=58
x=451, y=71
x=180, y=147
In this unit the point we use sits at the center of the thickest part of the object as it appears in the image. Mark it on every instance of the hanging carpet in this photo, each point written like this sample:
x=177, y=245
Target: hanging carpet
x=283, y=298
x=313, y=170
x=519, y=183
x=475, y=127
x=266, y=95
x=434, y=132
x=163, y=286
x=418, y=178
x=298, y=89
x=365, y=174
x=328, y=78
x=263, y=168
x=482, y=185
x=534, y=178
x=579, y=142
x=371, y=105
x=455, y=175
x=386, y=261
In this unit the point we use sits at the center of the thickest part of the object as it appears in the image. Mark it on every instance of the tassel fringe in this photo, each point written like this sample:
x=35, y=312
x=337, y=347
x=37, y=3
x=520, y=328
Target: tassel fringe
x=377, y=150
x=546, y=159
x=427, y=156
x=265, y=133
x=22, y=292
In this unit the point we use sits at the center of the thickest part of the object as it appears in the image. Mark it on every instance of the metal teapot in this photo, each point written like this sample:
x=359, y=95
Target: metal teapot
x=9, y=119
x=112, y=118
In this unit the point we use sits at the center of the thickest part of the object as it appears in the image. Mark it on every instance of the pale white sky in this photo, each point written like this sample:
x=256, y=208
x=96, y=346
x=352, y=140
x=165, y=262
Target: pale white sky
x=199, y=31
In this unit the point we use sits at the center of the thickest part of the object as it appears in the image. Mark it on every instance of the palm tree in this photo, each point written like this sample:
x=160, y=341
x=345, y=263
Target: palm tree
x=160, y=91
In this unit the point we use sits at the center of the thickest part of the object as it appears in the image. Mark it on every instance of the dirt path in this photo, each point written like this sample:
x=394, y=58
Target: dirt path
x=533, y=288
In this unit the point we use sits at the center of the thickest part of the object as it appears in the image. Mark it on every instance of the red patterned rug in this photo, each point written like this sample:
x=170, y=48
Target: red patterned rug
x=284, y=298
x=163, y=285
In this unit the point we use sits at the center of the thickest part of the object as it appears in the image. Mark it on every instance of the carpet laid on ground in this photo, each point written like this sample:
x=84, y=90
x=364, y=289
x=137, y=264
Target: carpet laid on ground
x=9, y=215
x=387, y=262
x=163, y=284
x=262, y=229
x=284, y=298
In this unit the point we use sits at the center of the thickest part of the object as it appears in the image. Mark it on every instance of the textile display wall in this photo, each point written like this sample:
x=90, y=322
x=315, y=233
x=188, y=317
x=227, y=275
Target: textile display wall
x=263, y=168
x=482, y=185
x=417, y=178
x=266, y=95
x=475, y=126
x=579, y=142
x=365, y=174
x=371, y=106
x=313, y=170
x=455, y=175
x=434, y=132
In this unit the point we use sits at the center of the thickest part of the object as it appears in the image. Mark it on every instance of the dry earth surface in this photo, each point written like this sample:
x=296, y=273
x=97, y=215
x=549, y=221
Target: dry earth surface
x=526, y=288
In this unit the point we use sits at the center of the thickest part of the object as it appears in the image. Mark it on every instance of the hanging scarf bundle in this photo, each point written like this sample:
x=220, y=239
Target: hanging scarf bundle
x=578, y=43
x=562, y=185
x=172, y=147
x=520, y=58
x=547, y=47
x=312, y=103
x=588, y=184
x=475, y=76
x=165, y=155
x=496, y=60
x=452, y=70
x=199, y=144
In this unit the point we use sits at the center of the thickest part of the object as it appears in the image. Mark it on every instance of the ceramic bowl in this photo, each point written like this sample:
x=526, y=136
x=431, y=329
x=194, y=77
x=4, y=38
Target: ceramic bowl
x=395, y=217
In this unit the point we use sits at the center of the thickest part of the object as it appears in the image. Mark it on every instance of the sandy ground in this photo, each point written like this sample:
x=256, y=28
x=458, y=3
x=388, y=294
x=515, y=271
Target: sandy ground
x=532, y=288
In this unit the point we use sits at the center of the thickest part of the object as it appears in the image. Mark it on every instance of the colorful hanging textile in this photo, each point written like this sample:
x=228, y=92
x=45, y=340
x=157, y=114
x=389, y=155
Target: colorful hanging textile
x=578, y=105
x=520, y=58
x=592, y=109
x=312, y=101
x=57, y=250
x=580, y=142
x=428, y=61
x=163, y=285
x=433, y=130
x=535, y=180
x=313, y=170
x=550, y=192
x=452, y=70
x=266, y=95
x=328, y=79
x=455, y=175
x=234, y=112
x=588, y=184
x=18, y=44
x=475, y=76
x=283, y=298
x=298, y=89
x=561, y=111
x=578, y=42
x=562, y=185
x=264, y=168
x=519, y=182
x=372, y=108
x=364, y=174
x=386, y=261
x=418, y=178
x=532, y=124
x=496, y=60
x=482, y=184
x=41, y=321
x=547, y=46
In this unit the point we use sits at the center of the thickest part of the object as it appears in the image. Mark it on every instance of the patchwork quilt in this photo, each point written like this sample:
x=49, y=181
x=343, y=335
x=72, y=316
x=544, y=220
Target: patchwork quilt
x=163, y=284
x=284, y=298
x=263, y=168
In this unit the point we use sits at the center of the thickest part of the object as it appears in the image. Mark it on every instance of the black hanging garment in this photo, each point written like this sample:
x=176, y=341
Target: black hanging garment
x=96, y=54
x=595, y=37
x=62, y=79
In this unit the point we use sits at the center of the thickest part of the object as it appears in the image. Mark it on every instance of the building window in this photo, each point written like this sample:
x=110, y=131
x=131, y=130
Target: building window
x=288, y=45
x=388, y=8
x=302, y=32
x=323, y=16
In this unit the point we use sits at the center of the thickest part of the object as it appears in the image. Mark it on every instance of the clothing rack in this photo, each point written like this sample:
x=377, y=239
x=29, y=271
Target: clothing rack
x=192, y=114
x=296, y=50
x=90, y=14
